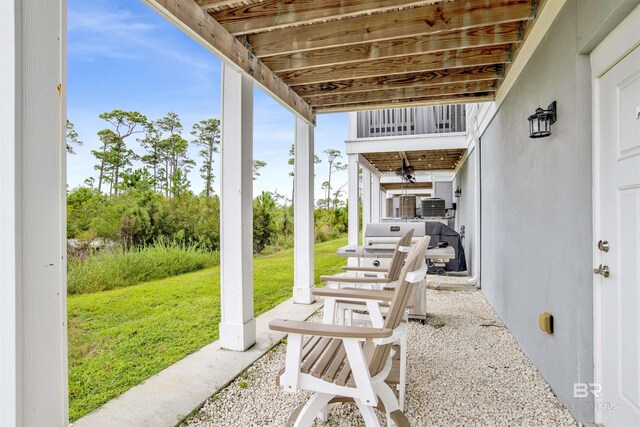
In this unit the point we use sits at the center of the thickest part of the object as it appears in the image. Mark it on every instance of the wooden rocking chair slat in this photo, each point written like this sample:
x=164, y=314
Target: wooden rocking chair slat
x=309, y=361
x=327, y=357
x=334, y=367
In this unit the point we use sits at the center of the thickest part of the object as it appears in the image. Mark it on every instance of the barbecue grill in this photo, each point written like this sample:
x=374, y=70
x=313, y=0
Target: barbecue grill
x=380, y=240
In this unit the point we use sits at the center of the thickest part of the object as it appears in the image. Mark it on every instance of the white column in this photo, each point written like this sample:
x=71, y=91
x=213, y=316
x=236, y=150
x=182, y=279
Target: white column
x=303, y=213
x=354, y=199
x=237, y=328
x=366, y=197
x=376, y=198
x=33, y=257
x=353, y=125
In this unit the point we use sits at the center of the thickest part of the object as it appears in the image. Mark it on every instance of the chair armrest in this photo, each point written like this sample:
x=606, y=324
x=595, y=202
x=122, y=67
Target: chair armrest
x=361, y=294
x=350, y=279
x=365, y=269
x=324, y=330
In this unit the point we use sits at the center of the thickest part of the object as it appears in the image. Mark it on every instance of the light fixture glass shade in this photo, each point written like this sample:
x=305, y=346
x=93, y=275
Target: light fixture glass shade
x=540, y=122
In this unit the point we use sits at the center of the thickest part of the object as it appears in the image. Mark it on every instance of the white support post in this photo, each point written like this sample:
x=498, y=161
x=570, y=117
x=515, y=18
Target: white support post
x=376, y=198
x=354, y=200
x=353, y=125
x=366, y=198
x=237, y=328
x=33, y=261
x=303, y=213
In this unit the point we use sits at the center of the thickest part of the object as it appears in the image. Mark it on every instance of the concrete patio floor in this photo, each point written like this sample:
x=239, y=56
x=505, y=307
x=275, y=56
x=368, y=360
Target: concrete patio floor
x=465, y=368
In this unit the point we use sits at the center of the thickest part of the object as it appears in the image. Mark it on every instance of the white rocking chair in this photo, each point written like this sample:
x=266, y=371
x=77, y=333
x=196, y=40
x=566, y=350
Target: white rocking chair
x=342, y=363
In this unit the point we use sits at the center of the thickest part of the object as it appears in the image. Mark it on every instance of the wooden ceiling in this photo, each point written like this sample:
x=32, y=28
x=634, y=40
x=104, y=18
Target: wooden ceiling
x=427, y=160
x=388, y=186
x=348, y=55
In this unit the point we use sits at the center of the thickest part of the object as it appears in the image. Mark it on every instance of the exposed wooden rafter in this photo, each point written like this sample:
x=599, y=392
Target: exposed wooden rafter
x=397, y=95
x=400, y=81
x=409, y=102
x=460, y=39
x=190, y=17
x=407, y=64
x=425, y=160
x=274, y=14
x=423, y=20
x=350, y=55
x=213, y=4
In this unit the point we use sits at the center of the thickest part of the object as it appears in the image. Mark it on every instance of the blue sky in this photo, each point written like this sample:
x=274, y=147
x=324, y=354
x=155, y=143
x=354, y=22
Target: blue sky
x=123, y=55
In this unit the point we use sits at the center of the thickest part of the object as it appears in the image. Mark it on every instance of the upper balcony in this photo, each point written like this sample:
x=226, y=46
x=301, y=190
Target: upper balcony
x=411, y=121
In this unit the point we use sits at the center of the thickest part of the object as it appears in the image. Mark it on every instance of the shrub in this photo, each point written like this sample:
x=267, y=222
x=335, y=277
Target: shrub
x=119, y=268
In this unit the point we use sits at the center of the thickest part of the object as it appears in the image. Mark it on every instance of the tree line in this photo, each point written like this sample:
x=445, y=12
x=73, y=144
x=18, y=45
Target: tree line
x=136, y=206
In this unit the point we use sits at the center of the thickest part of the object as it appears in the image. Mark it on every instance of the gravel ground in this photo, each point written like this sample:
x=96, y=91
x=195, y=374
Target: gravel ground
x=465, y=369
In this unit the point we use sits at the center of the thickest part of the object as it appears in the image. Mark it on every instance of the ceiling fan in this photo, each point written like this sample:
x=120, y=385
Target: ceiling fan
x=406, y=171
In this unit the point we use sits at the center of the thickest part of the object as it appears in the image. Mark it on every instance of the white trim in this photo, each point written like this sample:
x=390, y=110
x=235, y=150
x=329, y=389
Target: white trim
x=376, y=200
x=367, y=165
x=486, y=113
x=392, y=177
x=418, y=192
x=10, y=220
x=354, y=198
x=543, y=22
x=353, y=124
x=366, y=198
x=303, y=217
x=33, y=325
x=388, y=144
x=620, y=42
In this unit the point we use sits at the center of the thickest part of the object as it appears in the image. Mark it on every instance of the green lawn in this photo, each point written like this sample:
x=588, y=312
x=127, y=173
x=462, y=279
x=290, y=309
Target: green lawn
x=121, y=337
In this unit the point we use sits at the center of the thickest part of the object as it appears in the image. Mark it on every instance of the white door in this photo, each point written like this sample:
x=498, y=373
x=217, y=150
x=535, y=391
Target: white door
x=618, y=110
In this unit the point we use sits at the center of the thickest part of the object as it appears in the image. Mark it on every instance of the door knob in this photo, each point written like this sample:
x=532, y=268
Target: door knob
x=603, y=245
x=602, y=270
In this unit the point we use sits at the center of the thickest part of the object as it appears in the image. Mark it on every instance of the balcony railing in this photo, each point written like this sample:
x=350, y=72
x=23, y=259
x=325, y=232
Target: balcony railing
x=412, y=121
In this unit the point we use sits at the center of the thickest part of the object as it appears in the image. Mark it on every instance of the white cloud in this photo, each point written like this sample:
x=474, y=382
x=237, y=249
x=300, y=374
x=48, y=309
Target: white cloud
x=119, y=33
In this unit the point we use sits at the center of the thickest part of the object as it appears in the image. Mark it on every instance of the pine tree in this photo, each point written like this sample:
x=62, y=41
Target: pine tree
x=207, y=136
x=175, y=156
x=335, y=165
x=152, y=143
x=257, y=165
x=72, y=138
x=115, y=155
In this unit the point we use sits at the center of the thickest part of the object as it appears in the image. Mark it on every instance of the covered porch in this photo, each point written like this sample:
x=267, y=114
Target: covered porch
x=313, y=57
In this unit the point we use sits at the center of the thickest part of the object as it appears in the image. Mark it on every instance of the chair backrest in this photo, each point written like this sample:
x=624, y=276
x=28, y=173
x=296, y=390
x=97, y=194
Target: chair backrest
x=377, y=354
x=399, y=256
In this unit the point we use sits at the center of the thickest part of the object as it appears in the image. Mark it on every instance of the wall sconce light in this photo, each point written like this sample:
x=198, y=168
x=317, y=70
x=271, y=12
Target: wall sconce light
x=540, y=122
x=458, y=192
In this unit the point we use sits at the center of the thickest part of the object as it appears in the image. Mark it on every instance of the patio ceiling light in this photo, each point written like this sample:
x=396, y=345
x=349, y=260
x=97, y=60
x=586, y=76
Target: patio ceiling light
x=540, y=122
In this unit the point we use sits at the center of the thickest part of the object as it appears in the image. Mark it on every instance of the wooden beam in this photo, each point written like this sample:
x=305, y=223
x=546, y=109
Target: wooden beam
x=460, y=39
x=398, y=81
x=190, y=18
x=213, y=4
x=399, y=94
x=274, y=14
x=410, y=102
x=430, y=19
x=409, y=64
x=407, y=185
